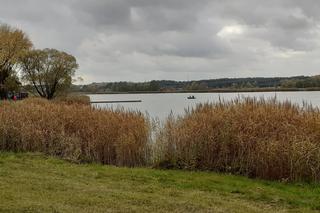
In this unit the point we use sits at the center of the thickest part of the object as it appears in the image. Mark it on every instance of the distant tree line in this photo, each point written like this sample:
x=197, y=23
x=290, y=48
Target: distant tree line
x=202, y=85
x=118, y=87
x=129, y=86
x=308, y=82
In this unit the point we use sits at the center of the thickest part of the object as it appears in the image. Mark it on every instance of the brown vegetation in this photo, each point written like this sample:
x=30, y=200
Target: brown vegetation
x=256, y=138
x=73, y=99
x=77, y=132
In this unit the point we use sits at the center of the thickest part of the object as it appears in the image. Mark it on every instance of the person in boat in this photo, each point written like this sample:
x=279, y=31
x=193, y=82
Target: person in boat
x=191, y=97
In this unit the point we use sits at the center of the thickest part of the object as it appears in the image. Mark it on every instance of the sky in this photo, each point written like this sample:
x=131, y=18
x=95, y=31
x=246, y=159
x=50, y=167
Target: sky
x=141, y=40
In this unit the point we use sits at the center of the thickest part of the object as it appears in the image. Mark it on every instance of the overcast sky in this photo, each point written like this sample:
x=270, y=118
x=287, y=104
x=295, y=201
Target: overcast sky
x=140, y=40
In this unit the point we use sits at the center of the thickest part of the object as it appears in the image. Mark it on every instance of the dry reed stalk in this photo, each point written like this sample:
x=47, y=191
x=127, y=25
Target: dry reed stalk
x=75, y=131
x=257, y=138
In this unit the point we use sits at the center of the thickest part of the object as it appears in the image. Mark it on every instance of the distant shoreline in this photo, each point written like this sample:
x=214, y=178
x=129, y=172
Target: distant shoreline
x=210, y=91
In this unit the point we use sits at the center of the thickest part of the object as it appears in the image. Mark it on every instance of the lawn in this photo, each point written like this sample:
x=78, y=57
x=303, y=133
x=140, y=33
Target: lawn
x=37, y=183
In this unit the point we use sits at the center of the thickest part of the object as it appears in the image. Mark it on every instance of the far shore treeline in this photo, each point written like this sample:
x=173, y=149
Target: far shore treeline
x=223, y=84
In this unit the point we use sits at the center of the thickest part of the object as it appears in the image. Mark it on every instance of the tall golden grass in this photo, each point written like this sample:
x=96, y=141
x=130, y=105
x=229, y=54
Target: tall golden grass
x=73, y=99
x=74, y=131
x=257, y=138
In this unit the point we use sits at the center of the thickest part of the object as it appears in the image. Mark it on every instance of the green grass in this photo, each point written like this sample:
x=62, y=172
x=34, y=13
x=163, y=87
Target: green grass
x=37, y=183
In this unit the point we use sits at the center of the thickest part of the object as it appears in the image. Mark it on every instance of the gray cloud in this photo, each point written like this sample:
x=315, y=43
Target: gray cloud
x=175, y=39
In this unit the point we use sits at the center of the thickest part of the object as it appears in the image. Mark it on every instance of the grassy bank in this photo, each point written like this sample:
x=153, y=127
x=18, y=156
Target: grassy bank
x=36, y=183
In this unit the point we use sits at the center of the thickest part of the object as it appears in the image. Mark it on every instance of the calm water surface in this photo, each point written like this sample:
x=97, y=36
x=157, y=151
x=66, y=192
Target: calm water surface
x=161, y=105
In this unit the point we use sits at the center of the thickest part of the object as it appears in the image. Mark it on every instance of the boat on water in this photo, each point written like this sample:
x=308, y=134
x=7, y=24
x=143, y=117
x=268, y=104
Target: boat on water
x=191, y=97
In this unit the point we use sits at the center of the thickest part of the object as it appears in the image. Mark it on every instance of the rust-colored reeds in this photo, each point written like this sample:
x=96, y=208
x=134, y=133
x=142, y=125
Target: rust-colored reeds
x=75, y=131
x=253, y=137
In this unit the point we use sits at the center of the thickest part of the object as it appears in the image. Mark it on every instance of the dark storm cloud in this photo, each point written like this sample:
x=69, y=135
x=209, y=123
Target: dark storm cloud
x=102, y=13
x=172, y=39
x=139, y=14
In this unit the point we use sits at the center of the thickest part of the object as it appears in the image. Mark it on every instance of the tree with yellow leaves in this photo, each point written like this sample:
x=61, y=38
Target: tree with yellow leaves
x=13, y=42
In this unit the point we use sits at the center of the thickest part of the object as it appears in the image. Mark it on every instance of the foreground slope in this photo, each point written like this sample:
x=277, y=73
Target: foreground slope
x=36, y=183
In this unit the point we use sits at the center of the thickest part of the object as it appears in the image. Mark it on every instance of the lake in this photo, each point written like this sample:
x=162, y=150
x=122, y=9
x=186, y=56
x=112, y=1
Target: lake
x=161, y=105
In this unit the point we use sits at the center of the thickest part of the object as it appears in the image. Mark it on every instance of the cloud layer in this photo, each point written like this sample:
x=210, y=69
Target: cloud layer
x=138, y=40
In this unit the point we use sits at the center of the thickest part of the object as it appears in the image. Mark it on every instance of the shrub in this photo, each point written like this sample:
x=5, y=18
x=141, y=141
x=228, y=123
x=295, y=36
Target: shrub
x=74, y=131
x=257, y=138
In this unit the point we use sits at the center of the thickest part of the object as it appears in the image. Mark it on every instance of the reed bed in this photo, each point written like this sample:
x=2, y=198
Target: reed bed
x=74, y=131
x=73, y=99
x=252, y=137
